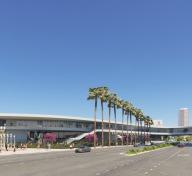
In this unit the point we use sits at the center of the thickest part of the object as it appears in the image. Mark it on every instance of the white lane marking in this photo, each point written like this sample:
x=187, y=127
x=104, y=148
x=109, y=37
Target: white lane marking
x=172, y=156
x=151, y=169
x=183, y=155
x=106, y=170
x=146, y=173
x=21, y=163
x=163, y=173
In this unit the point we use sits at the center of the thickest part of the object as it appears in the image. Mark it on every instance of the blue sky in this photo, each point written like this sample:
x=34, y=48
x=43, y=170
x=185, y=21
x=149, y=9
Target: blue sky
x=51, y=52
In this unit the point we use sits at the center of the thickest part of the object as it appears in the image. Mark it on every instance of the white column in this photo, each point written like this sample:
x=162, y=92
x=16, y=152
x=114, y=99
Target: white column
x=7, y=139
x=11, y=140
x=0, y=141
x=4, y=140
x=14, y=141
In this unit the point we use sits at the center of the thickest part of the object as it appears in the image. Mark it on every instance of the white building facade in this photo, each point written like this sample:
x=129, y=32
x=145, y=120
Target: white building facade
x=27, y=127
x=158, y=123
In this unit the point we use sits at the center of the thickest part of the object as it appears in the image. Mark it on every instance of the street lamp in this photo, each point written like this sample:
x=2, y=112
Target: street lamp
x=14, y=141
x=7, y=139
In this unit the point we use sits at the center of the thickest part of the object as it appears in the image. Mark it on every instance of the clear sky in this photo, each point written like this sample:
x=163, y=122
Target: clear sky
x=51, y=52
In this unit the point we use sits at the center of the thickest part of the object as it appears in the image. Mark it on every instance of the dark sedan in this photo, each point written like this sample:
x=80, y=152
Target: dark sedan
x=181, y=145
x=82, y=149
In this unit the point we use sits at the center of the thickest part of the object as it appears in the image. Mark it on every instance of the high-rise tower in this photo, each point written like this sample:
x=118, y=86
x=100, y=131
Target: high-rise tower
x=183, y=117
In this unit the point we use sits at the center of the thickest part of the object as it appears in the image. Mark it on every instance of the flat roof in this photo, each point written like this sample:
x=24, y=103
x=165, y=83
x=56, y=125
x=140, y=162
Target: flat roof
x=47, y=117
x=40, y=117
x=18, y=116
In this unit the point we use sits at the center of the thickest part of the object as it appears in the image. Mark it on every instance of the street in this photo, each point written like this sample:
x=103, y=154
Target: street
x=110, y=162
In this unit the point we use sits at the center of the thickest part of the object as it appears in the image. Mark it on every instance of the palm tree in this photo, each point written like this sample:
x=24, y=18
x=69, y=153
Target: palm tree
x=123, y=105
x=144, y=126
x=111, y=99
x=150, y=123
x=147, y=120
x=119, y=106
x=138, y=115
x=142, y=118
x=127, y=135
x=127, y=112
x=130, y=115
x=127, y=108
x=103, y=91
x=93, y=95
x=114, y=102
x=133, y=111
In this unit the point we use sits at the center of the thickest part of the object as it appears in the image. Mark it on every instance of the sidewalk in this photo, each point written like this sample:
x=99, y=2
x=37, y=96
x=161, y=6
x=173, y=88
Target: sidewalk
x=41, y=150
x=31, y=151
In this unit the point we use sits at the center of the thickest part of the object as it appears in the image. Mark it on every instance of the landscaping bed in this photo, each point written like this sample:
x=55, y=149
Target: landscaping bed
x=132, y=152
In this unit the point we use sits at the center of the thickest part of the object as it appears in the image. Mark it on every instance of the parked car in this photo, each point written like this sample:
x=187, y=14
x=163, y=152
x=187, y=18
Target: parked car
x=181, y=145
x=148, y=143
x=189, y=144
x=138, y=145
x=83, y=149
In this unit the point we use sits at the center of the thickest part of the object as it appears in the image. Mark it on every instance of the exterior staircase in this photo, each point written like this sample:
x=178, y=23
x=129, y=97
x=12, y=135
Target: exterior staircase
x=78, y=138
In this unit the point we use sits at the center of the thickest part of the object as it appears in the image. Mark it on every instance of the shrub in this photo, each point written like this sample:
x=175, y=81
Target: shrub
x=49, y=137
x=132, y=151
x=154, y=147
x=90, y=138
x=147, y=148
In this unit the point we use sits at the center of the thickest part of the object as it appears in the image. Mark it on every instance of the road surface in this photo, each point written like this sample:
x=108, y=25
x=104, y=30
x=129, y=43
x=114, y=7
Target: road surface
x=100, y=162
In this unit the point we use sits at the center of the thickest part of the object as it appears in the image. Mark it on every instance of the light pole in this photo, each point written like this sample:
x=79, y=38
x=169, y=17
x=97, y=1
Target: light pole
x=7, y=135
x=14, y=141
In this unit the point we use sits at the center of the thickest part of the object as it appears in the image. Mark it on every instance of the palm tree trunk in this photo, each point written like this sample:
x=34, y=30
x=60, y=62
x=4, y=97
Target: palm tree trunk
x=122, y=125
x=138, y=130
x=131, y=128
x=147, y=132
x=141, y=134
x=150, y=133
x=109, y=125
x=127, y=127
x=95, y=123
x=115, y=124
x=144, y=132
x=102, y=125
x=135, y=131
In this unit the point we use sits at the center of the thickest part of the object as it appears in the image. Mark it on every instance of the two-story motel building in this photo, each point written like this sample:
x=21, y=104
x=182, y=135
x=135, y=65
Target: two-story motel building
x=26, y=126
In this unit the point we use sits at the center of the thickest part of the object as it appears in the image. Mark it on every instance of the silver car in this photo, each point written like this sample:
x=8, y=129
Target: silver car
x=83, y=149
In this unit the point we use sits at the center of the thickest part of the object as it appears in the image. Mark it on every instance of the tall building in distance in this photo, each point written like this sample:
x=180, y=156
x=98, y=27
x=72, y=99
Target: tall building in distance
x=183, y=117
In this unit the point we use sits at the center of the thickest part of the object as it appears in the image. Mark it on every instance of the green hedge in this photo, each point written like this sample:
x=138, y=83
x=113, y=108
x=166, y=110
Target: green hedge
x=147, y=148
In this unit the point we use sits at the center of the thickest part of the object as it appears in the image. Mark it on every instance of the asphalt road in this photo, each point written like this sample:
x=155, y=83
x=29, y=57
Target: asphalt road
x=105, y=162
